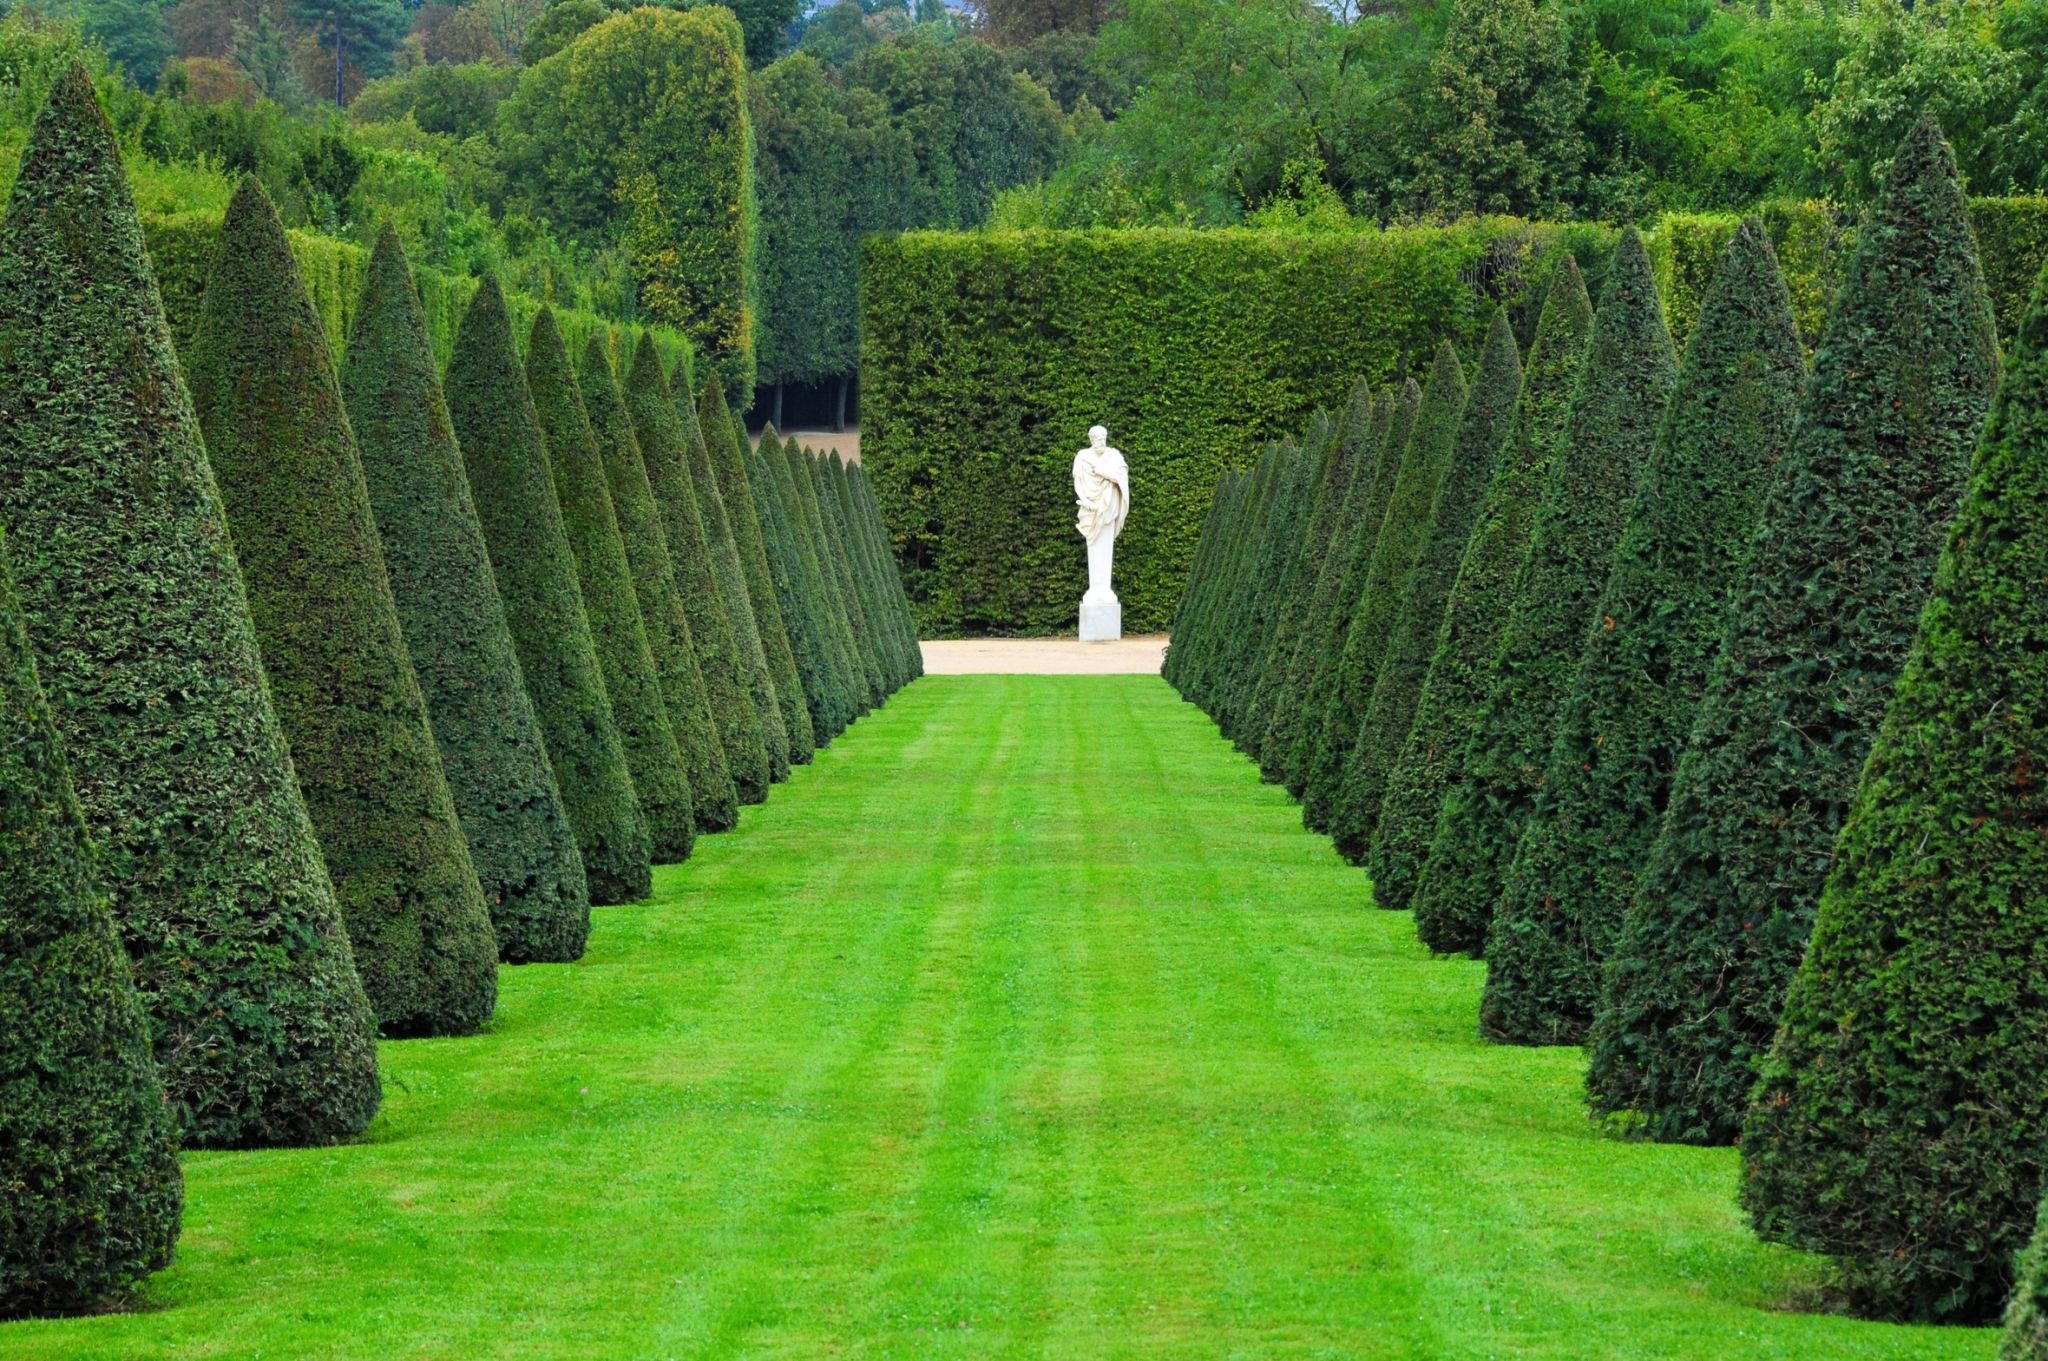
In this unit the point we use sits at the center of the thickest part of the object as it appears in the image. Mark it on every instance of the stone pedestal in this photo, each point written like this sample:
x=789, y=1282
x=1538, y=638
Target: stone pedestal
x=1102, y=621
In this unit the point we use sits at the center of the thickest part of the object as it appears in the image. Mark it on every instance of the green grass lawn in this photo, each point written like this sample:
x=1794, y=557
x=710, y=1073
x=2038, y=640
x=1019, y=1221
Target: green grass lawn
x=1024, y=1022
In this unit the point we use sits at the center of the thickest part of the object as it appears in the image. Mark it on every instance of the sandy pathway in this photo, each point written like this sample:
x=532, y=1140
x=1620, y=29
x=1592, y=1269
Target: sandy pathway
x=1139, y=655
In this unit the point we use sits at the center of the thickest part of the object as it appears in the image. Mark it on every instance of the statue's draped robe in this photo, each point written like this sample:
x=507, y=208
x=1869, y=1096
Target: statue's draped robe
x=1102, y=486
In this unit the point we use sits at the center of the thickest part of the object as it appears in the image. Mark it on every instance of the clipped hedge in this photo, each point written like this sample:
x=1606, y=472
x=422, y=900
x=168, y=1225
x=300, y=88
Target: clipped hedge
x=181, y=249
x=986, y=357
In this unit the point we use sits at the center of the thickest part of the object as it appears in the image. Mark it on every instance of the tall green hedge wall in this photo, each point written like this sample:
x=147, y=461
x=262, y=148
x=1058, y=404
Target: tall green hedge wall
x=986, y=357
x=181, y=249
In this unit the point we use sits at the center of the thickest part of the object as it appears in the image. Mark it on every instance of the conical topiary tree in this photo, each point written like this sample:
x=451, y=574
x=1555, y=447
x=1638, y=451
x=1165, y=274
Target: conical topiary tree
x=1900, y=1123
x=535, y=569
x=863, y=677
x=1265, y=589
x=722, y=446
x=888, y=577
x=1404, y=528
x=731, y=579
x=1818, y=628
x=454, y=624
x=1483, y=428
x=141, y=631
x=1432, y=760
x=1312, y=765
x=1299, y=644
x=1332, y=480
x=823, y=689
x=714, y=801
x=1646, y=658
x=1629, y=372
x=659, y=429
x=270, y=408
x=1231, y=622
x=867, y=639
x=93, y=1188
x=791, y=471
x=610, y=603
x=2026, y=1314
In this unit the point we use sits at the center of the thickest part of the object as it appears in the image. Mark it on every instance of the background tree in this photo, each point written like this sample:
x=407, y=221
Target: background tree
x=362, y=32
x=638, y=133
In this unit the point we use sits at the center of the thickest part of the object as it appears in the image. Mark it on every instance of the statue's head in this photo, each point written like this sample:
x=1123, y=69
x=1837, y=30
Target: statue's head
x=1097, y=437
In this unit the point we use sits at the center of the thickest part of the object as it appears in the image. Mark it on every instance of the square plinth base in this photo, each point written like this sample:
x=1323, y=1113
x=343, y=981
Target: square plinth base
x=1102, y=623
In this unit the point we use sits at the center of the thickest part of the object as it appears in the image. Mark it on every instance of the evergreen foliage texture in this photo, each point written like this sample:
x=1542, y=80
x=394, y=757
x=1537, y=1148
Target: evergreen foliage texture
x=93, y=1193
x=1315, y=768
x=731, y=581
x=1432, y=761
x=662, y=439
x=714, y=801
x=867, y=641
x=1483, y=428
x=863, y=689
x=142, y=635
x=277, y=434
x=507, y=459
x=1900, y=1120
x=1298, y=647
x=1646, y=659
x=822, y=686
x=2026, y=1314
x=1332, y=477
x=1300, y=470
x=611, y=604
x=1404, y=527
x=1609, y=438
x=496, y=762
x=1818, y=629
x=724, y=444
x=888, y=579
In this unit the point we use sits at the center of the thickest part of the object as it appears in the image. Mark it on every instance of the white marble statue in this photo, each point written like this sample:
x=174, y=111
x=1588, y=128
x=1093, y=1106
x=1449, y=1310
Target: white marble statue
x=1102, y=487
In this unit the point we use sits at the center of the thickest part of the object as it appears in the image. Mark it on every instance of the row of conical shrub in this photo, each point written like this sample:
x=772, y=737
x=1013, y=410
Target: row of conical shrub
x=326, y=688
x=1649, y=726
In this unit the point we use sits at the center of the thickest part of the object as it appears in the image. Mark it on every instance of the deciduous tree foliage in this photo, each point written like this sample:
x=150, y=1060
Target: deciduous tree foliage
x=141, y=631
x=94, y=1192
x=277, y=434
x=1817, y=632
x=637, y=131
x=1483, y=429
x=1461, y=673
x=610, y=602
x=722, y=444
x=1403, y=529
x=1312, y=767
x=490, y=742
x=1900, y=1119
x=731, y=579
x=514, y=493
x=715, y=803
x=657, y=423
x=1646, y=659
